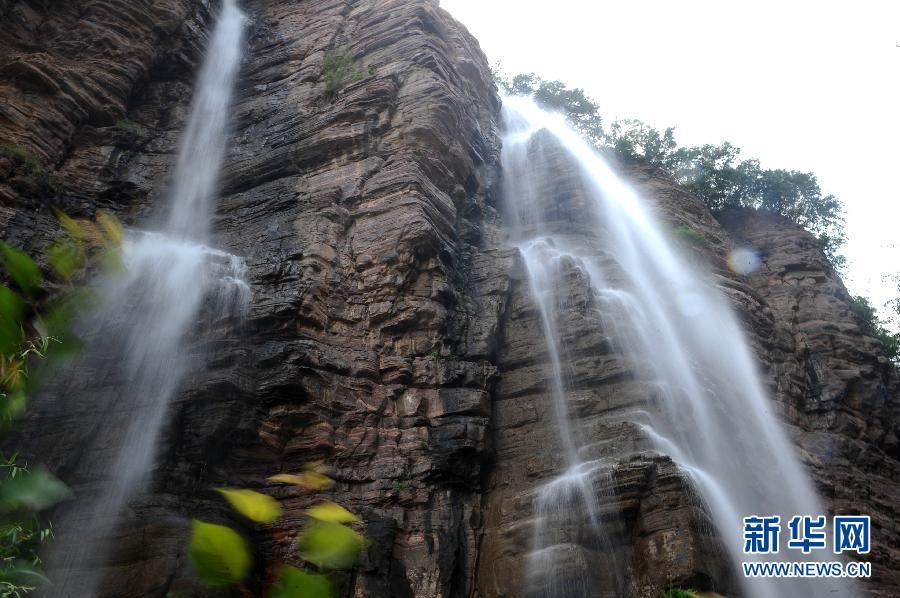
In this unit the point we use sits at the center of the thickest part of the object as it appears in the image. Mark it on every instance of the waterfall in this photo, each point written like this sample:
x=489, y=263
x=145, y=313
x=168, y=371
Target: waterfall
x=710, y=412
x=150, y=327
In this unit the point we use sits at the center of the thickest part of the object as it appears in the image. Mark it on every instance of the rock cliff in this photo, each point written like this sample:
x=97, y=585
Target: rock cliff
x=390, y=334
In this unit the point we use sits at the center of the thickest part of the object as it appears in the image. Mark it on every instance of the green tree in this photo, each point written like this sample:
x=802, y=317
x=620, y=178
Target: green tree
x=874, y=326
x=581, y=111
x=714, y=173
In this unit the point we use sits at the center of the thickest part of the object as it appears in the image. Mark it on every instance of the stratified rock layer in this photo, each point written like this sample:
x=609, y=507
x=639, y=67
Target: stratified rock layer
x=359, y=213
x=834, y=383
x=391, y=334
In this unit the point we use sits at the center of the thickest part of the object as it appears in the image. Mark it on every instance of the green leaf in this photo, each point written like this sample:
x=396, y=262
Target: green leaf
x=255, y=506
x=21, y=573
x=332, y=513
x=219, y=555
x=311, y=478
x=112, y=228
x=295, y=583
x=21, y=268
x=32, y=490
x=12, y=310
x=65, y=259
x=12, y=405
x=110, y=260
x=58, y=319
x=331, y=545
x=75, y=230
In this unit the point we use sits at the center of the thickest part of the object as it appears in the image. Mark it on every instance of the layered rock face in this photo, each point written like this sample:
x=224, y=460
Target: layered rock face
x=652, y=530
x=358, y=213
x=391, y=334
x=832, y=381
x=829, y=382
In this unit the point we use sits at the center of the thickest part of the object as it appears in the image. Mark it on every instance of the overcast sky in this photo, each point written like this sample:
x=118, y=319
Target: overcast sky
x=812, y=86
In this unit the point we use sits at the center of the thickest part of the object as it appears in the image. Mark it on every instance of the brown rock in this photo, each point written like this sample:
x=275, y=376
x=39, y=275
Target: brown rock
x=391, y=334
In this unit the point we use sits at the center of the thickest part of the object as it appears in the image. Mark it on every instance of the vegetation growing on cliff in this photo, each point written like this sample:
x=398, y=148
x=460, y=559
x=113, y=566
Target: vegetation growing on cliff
x=339, y=69
x=874, y=326
x=714, y=173
x=676, y=592
x=582, y=112
x=717, y=175
x=30, y=166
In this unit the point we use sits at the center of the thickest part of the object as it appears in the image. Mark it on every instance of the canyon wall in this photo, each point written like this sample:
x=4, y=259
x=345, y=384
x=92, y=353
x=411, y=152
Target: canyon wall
x=391, y=334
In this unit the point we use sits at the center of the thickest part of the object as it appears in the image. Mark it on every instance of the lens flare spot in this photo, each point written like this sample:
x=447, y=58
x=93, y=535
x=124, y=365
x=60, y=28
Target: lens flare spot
x=744, y=261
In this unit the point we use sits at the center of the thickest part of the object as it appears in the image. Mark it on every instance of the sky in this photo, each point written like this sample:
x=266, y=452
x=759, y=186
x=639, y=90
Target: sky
x=811, y=86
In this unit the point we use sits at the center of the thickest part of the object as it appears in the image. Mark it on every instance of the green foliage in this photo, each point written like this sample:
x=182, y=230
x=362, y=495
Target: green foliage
x=20, y=268
x=23, y=494
x=23, y=534
x=222, y=558
x=12, y=311
x=65, y=259
x=873, y=326
x=312, y=477
x=331, y=545
x=632, y=139
x=23, y=158
x=714, y=173
x=25, y=490
x=219, y=555
x=675, y=592
x=339, y=70
x=25, y=335
x=255, y=506
x=332, y=513
x=20, y=579
x=296, y=583
x=582, y=112
x=28, y=164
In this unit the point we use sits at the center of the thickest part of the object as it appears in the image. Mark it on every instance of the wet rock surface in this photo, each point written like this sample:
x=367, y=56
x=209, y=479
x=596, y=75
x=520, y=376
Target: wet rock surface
x=359, y=213
x=831, y=379
x=390, y=334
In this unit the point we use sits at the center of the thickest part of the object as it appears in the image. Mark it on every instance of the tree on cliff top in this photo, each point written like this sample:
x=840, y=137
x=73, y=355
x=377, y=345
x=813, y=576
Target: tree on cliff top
x=582, y=112
x=714, y=173
x=873, y=325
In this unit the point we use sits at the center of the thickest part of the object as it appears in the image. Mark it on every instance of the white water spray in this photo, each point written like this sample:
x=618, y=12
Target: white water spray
x=712, y=416
x=142, y=340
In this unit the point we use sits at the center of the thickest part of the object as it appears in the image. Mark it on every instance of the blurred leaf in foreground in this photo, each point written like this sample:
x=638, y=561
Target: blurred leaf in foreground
x=20, y=268
x=331, y=545
x=255, y=506
x=32, y=490
x=22, y=576
x=111, y=227
x=65, y=259
x=12, y=310
x=295, y=583
x=311, y=480
x=312, y=477
x=72, y=227
x=219, y=555
x=12, y=405
x=332, y=513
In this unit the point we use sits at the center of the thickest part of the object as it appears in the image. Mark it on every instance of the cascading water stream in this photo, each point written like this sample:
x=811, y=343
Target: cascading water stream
x=711, y=414
x=140, y=341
